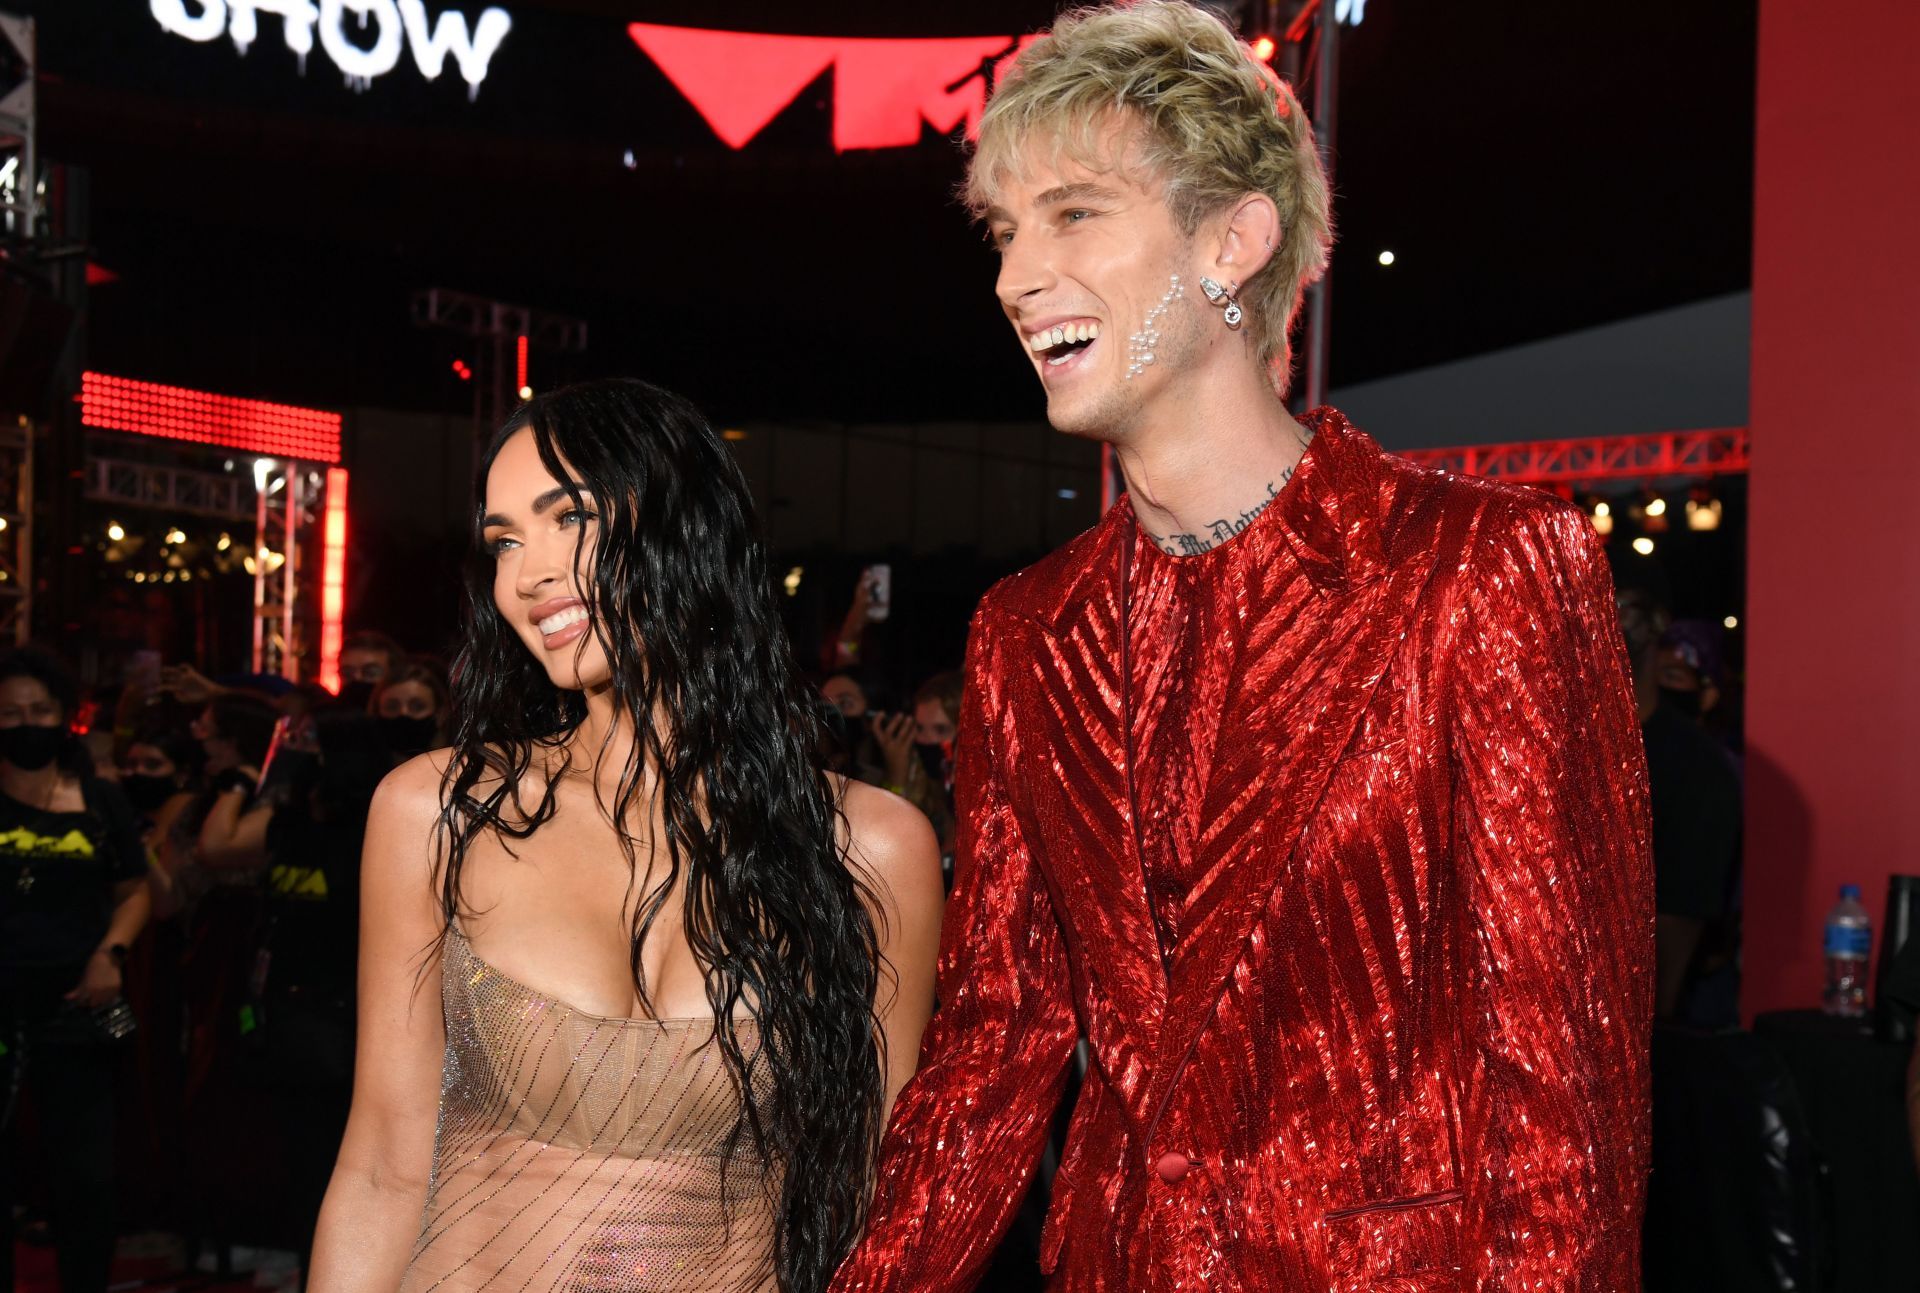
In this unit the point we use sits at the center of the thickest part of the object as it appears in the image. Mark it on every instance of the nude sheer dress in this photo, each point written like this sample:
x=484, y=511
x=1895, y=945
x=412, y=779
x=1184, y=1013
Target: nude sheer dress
x=580, y=1152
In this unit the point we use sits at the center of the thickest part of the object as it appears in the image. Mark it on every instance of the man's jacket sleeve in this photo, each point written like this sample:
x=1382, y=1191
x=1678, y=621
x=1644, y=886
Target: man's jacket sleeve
x=970, y=1125
x=1551, y=834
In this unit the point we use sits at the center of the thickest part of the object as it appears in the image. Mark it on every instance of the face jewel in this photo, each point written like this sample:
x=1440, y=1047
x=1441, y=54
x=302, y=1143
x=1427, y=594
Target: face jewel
x=1140, y=345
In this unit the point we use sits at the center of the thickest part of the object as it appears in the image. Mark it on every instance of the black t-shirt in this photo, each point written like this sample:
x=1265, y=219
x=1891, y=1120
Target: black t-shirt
x=313, y=905
x=1696, y=817
x=57, y=877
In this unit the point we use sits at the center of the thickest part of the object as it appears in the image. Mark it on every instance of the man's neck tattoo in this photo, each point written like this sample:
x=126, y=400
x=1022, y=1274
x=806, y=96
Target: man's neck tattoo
x=1219, y=531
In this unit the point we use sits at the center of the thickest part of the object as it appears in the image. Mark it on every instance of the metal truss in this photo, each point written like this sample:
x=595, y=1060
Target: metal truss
x=16, y=533
x=172, y=489
x=478, y=317
x=19, y=163
x=1718, y=452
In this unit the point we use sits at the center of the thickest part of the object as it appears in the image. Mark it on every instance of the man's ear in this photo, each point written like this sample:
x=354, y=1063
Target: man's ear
x=1248, y=237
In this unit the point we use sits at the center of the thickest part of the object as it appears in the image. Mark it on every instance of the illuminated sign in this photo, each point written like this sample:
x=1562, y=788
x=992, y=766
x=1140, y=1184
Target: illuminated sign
x=363, y=38
x=883, y=89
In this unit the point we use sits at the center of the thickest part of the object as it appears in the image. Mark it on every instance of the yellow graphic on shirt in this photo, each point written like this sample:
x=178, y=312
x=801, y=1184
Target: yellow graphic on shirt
x=298, y=882
x=26, y=843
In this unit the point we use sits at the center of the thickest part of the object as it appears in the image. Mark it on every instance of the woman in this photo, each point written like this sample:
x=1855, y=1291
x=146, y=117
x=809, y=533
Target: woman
x=682, y=972
x=73, y=898
x=414, y=708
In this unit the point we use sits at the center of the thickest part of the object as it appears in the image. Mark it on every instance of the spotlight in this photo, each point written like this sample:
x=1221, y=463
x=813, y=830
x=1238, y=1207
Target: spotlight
x=1386, y=258
x=261, y=466
x=226, y=541
x=115, y=533
x=1732, y=621
x=3, y=523
x=1263, y=48
x=1703, y=510
x=176, y=535
x=1643, y=545
x=526, y=392
x=1602, y=518
x=792, y=581
x=1657, y=507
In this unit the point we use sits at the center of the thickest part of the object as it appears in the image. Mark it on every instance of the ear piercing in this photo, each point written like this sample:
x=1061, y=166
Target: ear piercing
x=1140, y=345
x=1217, y=294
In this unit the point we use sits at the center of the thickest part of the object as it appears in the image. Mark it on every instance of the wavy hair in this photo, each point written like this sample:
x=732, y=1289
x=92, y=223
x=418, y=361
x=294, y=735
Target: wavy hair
x=680, y=598
x=1213, y=123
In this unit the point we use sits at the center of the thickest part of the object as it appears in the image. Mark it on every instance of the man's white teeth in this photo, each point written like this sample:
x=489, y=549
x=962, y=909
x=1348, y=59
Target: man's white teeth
x=554, y=623
x=1048, y=338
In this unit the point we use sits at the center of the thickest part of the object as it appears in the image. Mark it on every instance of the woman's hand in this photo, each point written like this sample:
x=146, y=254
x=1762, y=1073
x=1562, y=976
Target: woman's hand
x=99, y=983
x=894, y=733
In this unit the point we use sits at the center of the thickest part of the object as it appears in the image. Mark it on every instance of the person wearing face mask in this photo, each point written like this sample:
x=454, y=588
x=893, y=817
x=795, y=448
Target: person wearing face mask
x=367, y=660
x=1696, y=807
x=412, y=708
x=73, y=899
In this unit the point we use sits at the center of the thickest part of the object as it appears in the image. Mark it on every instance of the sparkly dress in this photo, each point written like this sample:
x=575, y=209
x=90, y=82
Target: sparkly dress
x=581, y=1152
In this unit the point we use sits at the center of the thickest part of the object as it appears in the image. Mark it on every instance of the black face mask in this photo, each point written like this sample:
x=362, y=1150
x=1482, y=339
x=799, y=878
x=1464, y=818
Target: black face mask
x=30, y=747
x=408, y=736
x=146, y=792
x=355, y=695
x=933, y=757
x=1686, y=702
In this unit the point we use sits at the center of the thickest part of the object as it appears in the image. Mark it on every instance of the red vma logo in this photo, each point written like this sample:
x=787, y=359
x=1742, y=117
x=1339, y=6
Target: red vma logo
x=883, y=89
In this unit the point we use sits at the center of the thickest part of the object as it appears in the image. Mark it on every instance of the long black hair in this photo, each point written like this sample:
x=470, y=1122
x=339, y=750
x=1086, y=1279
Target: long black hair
x=680, y=598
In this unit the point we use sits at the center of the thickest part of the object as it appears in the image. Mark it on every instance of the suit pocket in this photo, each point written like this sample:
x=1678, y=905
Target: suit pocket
x=1404, y=1245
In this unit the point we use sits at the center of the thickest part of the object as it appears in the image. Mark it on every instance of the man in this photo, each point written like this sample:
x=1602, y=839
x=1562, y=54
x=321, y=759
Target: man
x=1694, y=803
x=1306, y=786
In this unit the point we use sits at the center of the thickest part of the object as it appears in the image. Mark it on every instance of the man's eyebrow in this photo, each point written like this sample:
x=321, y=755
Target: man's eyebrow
x=1081, y=192
x=540, y=504
x=999, y=215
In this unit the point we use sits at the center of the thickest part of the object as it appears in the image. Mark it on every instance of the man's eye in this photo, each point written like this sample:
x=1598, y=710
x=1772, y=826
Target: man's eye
x=1076, y=216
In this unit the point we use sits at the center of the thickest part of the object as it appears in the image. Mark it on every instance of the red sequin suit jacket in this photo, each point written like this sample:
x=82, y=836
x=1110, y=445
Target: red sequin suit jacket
x=1400, y=1040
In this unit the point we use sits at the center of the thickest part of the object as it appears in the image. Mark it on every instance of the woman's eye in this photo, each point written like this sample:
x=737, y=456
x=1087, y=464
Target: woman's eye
x=575, y=516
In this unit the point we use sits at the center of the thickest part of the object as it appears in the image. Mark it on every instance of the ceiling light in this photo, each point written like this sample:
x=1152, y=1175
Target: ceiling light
x=1643, y=545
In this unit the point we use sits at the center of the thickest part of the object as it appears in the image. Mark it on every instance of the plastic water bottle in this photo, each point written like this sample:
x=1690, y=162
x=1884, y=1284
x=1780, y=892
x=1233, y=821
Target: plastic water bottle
x=1849, y=941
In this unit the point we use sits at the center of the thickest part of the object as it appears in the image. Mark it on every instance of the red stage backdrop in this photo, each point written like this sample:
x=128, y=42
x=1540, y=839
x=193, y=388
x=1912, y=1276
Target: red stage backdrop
x=1833, y=780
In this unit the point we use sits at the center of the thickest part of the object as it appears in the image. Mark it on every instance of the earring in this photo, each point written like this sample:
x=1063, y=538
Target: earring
x=1216, y=293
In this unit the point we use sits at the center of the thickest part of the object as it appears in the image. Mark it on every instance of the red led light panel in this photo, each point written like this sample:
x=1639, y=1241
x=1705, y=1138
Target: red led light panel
x=333, y=578
x=174, y=413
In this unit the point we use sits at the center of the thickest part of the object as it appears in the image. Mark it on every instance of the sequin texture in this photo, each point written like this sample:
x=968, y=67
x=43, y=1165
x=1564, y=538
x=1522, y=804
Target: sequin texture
x=1333, y=844
x=578, y=1152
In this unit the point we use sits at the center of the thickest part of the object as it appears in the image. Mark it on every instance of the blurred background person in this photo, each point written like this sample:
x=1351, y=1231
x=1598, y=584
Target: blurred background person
x=413, y=709
x=367, y=659
x=1696, y=806
x=73, y=899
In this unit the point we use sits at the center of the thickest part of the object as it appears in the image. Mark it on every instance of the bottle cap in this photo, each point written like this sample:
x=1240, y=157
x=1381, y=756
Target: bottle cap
x=1850, y=891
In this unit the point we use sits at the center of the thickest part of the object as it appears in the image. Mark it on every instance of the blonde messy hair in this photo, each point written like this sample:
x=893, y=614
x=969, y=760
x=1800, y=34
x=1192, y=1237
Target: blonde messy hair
x=1209, y=119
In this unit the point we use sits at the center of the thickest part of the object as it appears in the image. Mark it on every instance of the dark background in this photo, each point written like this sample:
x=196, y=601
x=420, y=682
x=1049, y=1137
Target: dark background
x=1536, y=167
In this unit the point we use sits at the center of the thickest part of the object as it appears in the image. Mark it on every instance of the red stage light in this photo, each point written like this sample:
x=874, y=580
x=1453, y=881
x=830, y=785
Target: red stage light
x=1263, y=48
x=174, y=413
x=520, y=364
x=461, y=370
x=333, y=579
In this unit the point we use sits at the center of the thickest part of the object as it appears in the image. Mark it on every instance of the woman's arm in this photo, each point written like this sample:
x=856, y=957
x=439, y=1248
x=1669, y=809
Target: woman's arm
x=897, y=856
x=234, y=837
x=100, y=982
x=374, y=1203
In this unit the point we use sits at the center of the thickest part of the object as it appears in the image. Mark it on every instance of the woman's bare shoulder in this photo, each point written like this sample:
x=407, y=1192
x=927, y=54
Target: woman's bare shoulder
x=893, y=842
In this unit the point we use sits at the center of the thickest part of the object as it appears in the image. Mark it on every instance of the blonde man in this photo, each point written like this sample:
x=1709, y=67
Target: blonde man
x=1306, y=787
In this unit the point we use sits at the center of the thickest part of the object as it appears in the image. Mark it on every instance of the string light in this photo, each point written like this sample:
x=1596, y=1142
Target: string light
x=115, y=532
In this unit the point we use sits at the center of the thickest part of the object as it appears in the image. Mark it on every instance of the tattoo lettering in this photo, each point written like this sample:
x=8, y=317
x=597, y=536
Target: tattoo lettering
x=1218, y=532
